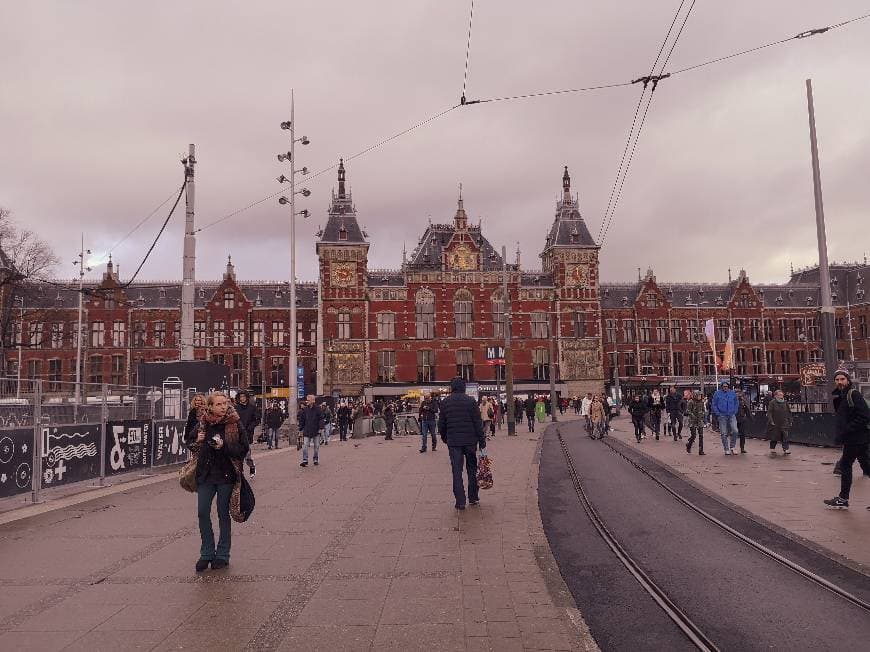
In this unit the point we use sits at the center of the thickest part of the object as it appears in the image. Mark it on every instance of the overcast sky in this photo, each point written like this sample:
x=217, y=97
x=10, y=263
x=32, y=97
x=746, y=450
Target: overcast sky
x=99, y=98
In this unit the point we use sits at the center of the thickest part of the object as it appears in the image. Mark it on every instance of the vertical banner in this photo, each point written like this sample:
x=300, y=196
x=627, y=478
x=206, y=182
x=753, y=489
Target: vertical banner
x=128, y=446
x=70, y=453
x=16, y=458
x=169, y=445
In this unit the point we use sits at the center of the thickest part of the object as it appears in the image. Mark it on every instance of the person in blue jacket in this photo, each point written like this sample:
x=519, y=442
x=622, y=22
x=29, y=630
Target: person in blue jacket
x=724, y=406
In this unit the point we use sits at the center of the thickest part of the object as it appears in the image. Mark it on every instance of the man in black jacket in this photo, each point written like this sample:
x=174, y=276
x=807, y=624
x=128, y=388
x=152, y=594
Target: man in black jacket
x=676, y=407
x=461, y=429
x=850, y=427
x=529, y=406
x=247, y=412
x=310, y=421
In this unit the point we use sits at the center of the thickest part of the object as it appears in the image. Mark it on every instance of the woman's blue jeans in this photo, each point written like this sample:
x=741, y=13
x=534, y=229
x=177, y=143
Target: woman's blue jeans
x=205, y=494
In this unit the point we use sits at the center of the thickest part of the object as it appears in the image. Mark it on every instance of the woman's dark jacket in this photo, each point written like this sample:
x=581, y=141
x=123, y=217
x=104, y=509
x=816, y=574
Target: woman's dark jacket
x=274, y=418
x=248, y=414
x=637, y=409
x=213, y=465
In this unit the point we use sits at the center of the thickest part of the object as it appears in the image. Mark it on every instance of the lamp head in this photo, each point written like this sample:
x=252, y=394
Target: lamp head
x=304, y=170
x=286, y=124
x=305, y=140
x=282, y=179
x=306, y=192
x=283, y=200
x=284, y=157
x=304, y=213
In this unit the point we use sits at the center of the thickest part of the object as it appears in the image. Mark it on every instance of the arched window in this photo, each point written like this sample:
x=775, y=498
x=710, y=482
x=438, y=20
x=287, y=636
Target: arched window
x=424, y=314
x=463, y=314
x=498, y=309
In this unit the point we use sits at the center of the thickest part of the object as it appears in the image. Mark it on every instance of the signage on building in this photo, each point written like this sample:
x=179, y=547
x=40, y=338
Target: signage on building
x=471, y=389
x=494, y=355
x=813, y=374
x=300, y=382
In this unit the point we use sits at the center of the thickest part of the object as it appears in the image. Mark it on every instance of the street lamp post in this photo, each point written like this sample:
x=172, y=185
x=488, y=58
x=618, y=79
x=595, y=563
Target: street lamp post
x=20, y=301
x=82, y=269
x=292, y=376
x=697, y=307
x=508, y=354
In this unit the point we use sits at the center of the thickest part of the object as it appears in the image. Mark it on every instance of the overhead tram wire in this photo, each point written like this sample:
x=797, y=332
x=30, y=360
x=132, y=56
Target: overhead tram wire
x=803, y=35
x=141, y=222
x=124, y=286
x=309, y=177
x=634, y=119
x=655, y=79
x=467, y=53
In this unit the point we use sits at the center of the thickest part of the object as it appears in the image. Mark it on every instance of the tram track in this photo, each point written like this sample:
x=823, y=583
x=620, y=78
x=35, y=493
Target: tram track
x=690, y=629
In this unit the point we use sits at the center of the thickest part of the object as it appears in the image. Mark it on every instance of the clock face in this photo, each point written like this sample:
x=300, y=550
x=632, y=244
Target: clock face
x=462, y=258
x=342, y=275
x=577, y=276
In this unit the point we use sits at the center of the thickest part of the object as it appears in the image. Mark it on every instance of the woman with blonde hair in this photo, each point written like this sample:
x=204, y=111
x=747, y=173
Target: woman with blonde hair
x=220, y=444
x=598, y=417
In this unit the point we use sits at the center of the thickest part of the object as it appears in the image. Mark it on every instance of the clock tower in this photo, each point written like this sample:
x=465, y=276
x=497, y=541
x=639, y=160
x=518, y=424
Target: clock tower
x=571, y=256
x=342, y=249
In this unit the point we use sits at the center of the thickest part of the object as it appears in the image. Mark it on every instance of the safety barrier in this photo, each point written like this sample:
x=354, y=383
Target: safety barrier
x=74, y=434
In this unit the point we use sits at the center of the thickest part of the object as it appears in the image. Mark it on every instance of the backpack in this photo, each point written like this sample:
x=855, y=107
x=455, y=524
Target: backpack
x=851, y=402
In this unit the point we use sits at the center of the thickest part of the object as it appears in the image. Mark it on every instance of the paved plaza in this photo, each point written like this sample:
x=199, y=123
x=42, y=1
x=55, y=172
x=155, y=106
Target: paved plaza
x=364, y=552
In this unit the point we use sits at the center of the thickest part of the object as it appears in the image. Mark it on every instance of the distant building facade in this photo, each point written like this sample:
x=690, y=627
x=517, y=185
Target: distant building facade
x=372, y=332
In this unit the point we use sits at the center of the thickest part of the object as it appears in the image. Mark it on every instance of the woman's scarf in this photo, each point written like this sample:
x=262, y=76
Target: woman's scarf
x=230, y=421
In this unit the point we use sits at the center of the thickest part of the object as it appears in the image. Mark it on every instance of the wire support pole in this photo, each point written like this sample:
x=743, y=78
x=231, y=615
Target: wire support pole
x=292, y=376
x=189, y=259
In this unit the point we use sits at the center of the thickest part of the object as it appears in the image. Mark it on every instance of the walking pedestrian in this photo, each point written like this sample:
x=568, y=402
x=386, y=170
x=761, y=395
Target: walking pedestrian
x=343, y=416
x=695, y=415
x=724, y=407
x=676, y=408
x=744, y=419
x=220, y=442
x=637, y=410
x=518, y=410
x=585, y=404
x=540, y=410
x=247, y=412
x=461, y=428
x=656, y=405
x=852, y=430
x=198, y=404
x=328, y=425
x=598, y=417
x=389, y=419
x=486, y=414
x=427, y=422
x=274, y=420
x=530, y=406
x=779, y=422
x=310, y=421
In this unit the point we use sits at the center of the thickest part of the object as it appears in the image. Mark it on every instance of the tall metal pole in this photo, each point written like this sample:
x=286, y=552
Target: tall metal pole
x=829, y=346
x=79, y=334
x=21, y=343
x=508, y=353
x=189, y=262
x=291, y=372
x=552, y=370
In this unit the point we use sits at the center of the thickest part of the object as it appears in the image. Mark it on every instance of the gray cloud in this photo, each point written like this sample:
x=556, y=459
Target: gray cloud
x=98, y=99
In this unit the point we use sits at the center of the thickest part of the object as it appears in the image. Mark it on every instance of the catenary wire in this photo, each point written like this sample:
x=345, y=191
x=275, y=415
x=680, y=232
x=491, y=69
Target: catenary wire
x=467, y=50
x=634, y=119
x=136, y=228
x=640, y=127
x=363, y=152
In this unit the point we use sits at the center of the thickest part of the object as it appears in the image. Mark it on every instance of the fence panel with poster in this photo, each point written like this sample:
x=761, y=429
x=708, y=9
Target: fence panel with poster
x=168, y=437
x=16, y=461
x=129, y=446
x=70, y=453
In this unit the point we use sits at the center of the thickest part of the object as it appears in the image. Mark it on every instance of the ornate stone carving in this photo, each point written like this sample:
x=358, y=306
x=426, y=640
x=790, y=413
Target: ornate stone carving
x=582, y=359
x=342, y=275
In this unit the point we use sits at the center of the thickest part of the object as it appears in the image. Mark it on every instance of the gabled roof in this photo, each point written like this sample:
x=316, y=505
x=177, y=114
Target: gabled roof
x=427, y=254
x=342, y=226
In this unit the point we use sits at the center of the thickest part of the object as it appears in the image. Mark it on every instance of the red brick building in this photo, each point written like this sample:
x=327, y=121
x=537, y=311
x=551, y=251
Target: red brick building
x=243, y=325
x=440, y=314
x=387, y=331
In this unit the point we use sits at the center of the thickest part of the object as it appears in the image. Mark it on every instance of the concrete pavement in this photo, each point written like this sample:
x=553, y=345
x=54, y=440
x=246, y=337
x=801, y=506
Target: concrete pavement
x=364, y=552
x=785, y=491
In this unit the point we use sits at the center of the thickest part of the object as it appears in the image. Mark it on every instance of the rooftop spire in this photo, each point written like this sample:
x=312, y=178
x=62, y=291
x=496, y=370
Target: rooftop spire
x=341, y=179
x=460, y=220
x=566, y=186
x=231, y=271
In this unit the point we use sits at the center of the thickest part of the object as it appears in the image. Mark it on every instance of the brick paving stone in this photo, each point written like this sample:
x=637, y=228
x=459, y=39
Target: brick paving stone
x=365, y=553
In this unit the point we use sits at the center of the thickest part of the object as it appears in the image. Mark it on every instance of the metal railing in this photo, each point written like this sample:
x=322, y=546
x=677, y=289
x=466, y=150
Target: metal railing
x=49, y=437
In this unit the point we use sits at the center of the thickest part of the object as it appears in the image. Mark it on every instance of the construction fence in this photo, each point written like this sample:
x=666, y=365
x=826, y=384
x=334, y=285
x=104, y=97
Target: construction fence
x=54, y=434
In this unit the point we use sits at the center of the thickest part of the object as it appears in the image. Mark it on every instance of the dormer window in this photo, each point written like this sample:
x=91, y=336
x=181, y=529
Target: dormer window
x=342, y=233
x=833, y=296
x=110, y=303
x=652, y=300
x=162, y=293
x=625, y=301
x=779, y=300
x=201, y=293
x=809, y=301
